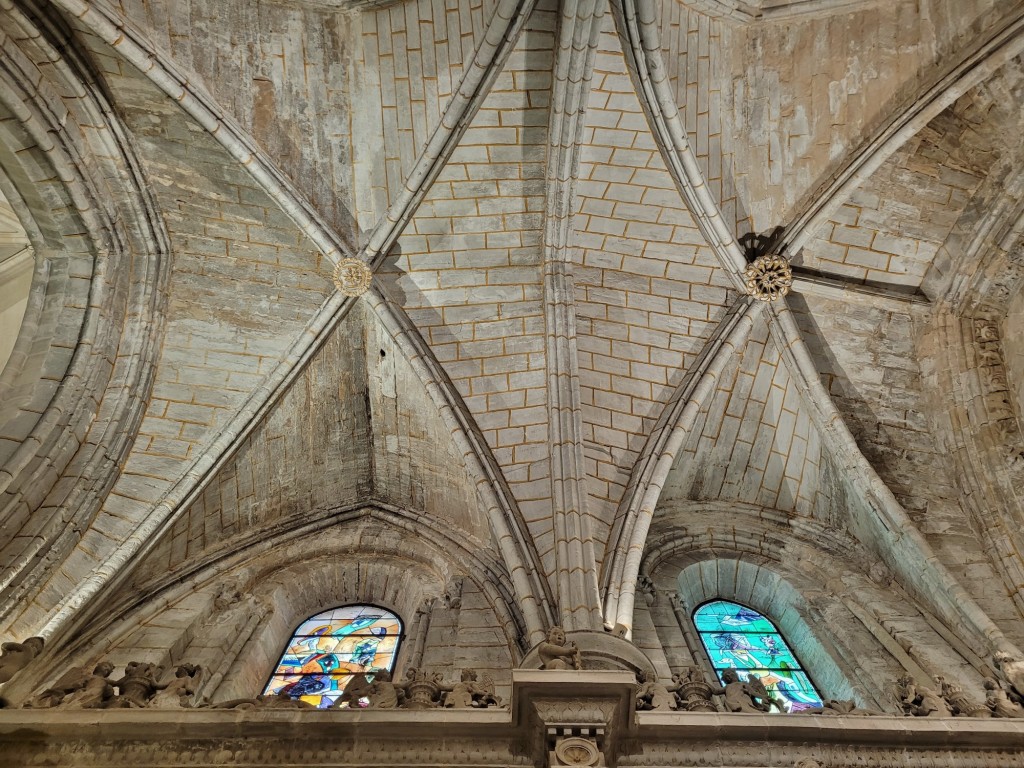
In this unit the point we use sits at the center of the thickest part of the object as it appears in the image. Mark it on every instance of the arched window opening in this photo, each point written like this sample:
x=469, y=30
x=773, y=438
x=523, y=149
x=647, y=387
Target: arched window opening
x=740, y=638
x=327, y=649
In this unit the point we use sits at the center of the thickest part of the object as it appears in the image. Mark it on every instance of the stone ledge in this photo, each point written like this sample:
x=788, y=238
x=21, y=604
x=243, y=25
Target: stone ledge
x=147, y=724
x=545, y=707
x=881, y=730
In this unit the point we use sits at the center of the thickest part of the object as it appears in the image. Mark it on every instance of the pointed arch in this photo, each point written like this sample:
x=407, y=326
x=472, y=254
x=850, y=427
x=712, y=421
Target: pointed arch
x=263, y=587
x=93, y=328
x=812, y=580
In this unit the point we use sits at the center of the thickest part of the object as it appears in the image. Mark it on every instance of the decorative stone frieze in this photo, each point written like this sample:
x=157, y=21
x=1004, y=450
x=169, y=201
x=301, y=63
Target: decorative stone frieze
x=559, y=719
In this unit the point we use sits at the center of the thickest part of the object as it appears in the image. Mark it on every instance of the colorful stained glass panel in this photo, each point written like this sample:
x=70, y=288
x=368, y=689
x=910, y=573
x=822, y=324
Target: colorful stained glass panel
x=327, y=649
x=737, y=637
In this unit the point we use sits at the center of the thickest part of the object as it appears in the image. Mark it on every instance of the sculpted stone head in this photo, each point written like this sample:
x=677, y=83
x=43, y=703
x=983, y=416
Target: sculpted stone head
x=556, y=636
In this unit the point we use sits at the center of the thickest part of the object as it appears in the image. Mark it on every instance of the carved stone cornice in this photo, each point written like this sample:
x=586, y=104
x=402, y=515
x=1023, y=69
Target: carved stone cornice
x=549, y=710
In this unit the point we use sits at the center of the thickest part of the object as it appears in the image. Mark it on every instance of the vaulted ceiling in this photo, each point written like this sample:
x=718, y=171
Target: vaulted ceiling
x=557, y=354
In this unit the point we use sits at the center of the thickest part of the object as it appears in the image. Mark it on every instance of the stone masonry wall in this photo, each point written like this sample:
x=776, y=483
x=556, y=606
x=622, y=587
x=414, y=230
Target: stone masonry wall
x=807, y=92
x=868, y=357
x=282, y=71
x=648, y=290
x=754, y=442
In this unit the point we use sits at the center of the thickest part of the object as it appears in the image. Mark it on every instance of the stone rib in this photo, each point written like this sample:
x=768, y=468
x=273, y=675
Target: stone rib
x=576, y=578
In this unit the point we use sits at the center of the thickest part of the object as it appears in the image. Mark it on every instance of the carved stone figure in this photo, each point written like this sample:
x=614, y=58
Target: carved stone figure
x=694, y=691
x=487, y=696
x=97, y=692
x=920, y=701
x=138, y=685
x=14, y=657
x=998, y=702
x=179, y=691
x=652, y=695
x=469, y=692
x=74, y=681
x=383, y=693
x=555, y=650
x=463, y=694
x=358, y=687
x=960, y=704
x=645, y=586
x=1012, y=671
x=740, y=696
x=453, y=593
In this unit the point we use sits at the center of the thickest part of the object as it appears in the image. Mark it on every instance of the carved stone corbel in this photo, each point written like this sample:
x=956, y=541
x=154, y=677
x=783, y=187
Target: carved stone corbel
x=579, y=743
x=453, y=593
x=645, y=586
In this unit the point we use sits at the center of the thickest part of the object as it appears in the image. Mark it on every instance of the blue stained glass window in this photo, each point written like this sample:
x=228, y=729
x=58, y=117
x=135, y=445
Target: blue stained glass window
x=327, y=649
x=740, y=638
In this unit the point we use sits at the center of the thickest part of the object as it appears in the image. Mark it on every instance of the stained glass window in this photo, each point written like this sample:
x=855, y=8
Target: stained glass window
x=327, y=649
x=738, y=637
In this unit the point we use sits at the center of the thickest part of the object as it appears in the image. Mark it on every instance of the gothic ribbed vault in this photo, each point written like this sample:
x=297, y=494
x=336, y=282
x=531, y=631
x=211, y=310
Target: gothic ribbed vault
x=557, y=386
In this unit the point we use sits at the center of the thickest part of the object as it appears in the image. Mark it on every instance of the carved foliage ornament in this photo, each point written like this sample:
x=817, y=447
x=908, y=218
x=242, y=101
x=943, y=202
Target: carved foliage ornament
x=769, y=277
x=575, y=750
x=352, y=277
